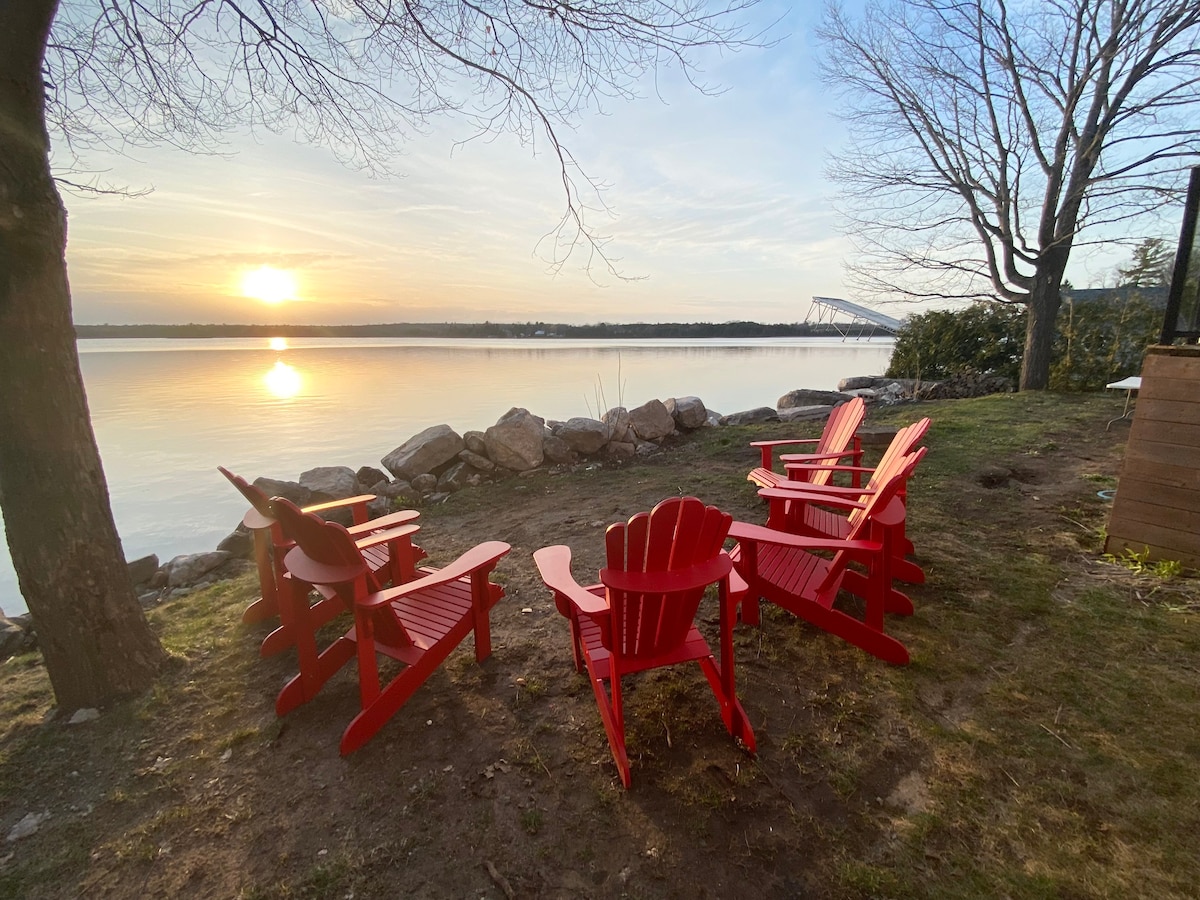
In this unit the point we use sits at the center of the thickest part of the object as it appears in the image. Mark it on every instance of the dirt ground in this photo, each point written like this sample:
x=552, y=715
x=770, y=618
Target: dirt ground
x=496, y=780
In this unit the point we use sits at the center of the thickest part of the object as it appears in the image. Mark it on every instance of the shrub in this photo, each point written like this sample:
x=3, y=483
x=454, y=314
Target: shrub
x=984, y=339
x=1102, y=341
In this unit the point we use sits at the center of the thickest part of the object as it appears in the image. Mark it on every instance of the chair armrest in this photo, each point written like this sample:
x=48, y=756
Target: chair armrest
x=834, y=490
x=828, y=468
x=334, y=504
x=374, y=539
x=801, y=457
x=554, y=565
x=766, y=448
x=760, y=534
x=810, y=497
x=697, y=576
x=481, y=556
x=391, y=520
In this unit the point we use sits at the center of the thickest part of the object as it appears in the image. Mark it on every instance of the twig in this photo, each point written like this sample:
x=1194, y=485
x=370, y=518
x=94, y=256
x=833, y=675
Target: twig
x=539, y=759
x=501, y=881
x=1010, y=778
x=1055, y=735
x=1057, y=713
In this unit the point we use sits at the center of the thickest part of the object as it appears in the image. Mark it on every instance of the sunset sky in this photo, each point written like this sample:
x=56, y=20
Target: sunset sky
x=720, y=211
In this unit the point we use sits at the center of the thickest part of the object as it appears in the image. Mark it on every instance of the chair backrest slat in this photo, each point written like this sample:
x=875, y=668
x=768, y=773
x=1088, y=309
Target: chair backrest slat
x=837, y=436
x=674, y=536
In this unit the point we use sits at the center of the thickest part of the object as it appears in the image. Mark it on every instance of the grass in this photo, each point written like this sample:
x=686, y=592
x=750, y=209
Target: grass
x=1041, y=744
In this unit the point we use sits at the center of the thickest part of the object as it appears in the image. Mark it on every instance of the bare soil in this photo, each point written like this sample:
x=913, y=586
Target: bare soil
x=496, y=779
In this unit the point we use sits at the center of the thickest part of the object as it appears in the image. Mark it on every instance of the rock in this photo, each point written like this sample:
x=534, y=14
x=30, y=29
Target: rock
x=803, y=413
x=645, y=448
x=621, y=450
x=714, y=419
x=804, y=397
x=380, y=506
x=289, y=490
x=584, y=435
x=617, y=420
x=516, y=440
x=858, y=382
x=14, y=638
x=424, y=484
x=150, y=599
x=397, y=490
x=475, y=442
x=751, y=416
x=142, y=570
x=369, y=476
x=423, y=452
x=455, y=477
x=869, y=395
x=557, y=451
x=651, y=421
x=28, y=825
x=330, y=483
x=477, y=461
x=191, y=567
x=688, y=412
x=238, y=543
x=83, y=715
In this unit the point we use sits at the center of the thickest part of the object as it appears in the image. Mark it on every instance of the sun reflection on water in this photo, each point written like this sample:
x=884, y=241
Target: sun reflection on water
x=277, y=343
x=283, y=381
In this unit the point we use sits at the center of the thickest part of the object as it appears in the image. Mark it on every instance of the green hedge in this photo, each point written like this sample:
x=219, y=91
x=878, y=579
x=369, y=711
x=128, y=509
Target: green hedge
x=1098, y=342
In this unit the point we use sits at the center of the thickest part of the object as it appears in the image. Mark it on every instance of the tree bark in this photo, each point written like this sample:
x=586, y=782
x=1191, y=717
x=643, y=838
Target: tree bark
x=64, y=544
x=1041, y=322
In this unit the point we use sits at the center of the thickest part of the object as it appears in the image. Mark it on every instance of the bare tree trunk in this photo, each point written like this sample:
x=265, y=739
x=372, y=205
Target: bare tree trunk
x=1045, y=298
x=64, y=544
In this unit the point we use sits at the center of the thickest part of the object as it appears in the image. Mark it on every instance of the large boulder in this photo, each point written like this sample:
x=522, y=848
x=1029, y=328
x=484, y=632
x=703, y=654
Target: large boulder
x=804, y=413
x=141, y=570
x=289, y=490
x=191, y=567
x=651, y=421
x=751, y=416
x=424, y=452
x=557, y=451
x=330, y=483
x=584, y=435
x=515, y=441
x=805, y=397
x=617, y=420
x=475, y=442
x=688, y=412
x=369, y=476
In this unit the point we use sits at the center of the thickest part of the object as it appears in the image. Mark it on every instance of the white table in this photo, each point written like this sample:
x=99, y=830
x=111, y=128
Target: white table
x=1128, y=385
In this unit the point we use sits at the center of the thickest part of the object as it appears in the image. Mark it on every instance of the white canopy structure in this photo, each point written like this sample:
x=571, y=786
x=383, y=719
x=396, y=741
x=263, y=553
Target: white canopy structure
x=835, y=311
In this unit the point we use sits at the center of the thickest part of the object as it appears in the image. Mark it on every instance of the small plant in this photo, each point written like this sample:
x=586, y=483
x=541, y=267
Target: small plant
x=531, y=820
x=1141, y=564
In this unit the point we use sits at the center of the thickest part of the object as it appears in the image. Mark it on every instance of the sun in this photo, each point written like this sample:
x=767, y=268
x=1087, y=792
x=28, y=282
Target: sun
x=268, y=284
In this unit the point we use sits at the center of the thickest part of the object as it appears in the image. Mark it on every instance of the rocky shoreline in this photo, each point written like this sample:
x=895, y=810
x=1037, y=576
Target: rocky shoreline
x=439, y=461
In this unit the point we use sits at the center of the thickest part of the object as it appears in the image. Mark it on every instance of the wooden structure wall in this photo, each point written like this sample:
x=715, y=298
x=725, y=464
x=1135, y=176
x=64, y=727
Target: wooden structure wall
x=1157, y=504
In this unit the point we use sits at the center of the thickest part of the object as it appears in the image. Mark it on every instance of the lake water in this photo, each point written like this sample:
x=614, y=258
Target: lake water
x=168, y=412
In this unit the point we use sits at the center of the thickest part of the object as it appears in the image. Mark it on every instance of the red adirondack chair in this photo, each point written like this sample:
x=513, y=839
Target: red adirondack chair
x=786, y=569
x=803, y=515
x=270, y=547
x=838, y=440
x=641, y=614
x=417, y=623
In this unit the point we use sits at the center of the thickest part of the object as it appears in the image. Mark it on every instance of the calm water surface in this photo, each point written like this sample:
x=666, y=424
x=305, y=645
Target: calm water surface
x=168, y=412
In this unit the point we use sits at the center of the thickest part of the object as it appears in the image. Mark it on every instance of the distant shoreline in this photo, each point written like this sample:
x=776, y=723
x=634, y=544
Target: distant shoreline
x=531, y=330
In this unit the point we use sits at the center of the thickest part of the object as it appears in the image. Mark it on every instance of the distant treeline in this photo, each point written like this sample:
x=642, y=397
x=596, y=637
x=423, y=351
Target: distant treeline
x=480, y=330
